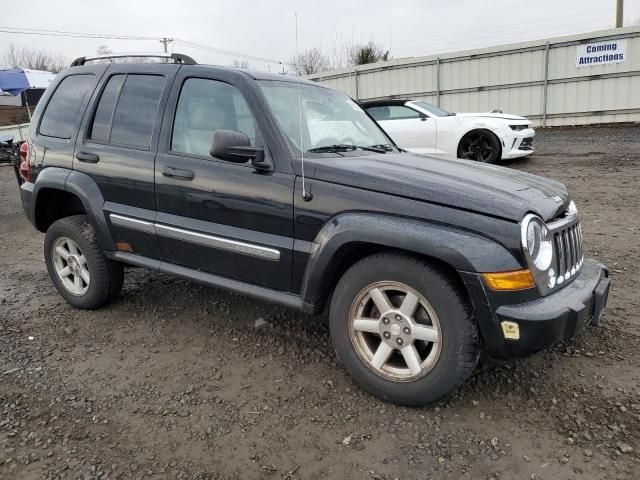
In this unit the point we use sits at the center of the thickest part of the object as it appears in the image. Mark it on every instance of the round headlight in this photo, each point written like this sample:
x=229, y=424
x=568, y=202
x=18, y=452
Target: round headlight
x=536, y=241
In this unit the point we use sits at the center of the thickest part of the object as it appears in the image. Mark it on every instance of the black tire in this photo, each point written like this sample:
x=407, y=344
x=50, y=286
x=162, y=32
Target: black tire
x=480, y=146
x=106, y=276
x=459, y=345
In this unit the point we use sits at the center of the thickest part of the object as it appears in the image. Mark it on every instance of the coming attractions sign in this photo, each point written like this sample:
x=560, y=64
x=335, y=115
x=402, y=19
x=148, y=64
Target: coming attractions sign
x=601, y=53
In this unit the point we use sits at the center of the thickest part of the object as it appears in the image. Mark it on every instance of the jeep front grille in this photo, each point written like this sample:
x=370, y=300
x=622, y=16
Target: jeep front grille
x=567, y=245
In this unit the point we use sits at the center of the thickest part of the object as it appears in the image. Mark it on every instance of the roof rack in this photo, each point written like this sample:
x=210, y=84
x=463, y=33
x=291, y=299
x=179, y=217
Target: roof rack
x=176, y=57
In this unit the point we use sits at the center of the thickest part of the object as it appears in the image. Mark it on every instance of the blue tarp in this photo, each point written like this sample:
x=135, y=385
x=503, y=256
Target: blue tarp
x=16, y=80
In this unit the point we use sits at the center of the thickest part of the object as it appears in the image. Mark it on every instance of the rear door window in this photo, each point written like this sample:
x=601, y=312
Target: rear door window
x=63, y=111
x=127, y=110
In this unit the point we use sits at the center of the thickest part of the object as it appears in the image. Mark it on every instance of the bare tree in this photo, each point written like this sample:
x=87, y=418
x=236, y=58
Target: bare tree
x=23, y=57
x=241, y=64
x=309, y=62
x=103, y=50
x=368, y=53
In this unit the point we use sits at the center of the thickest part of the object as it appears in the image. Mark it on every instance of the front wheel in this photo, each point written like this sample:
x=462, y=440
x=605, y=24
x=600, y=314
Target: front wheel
x=480, y=146
x=402, y=329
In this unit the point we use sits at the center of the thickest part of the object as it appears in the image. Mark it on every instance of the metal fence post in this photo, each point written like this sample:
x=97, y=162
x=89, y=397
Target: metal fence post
x=546, y=85
x=355, y=72
x=438, y=82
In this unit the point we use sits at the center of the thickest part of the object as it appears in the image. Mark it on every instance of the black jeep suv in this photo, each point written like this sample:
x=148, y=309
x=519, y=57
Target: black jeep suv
x=287, y=191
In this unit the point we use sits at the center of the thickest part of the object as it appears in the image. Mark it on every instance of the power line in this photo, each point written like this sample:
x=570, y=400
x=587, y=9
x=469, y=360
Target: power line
x=60, y=33
x=163, y=40
x=523, y=35
x=221, y=51
x=498, y=30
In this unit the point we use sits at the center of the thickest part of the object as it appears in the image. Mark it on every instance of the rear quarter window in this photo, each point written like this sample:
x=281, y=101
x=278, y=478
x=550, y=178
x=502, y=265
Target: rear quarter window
x=63, y=112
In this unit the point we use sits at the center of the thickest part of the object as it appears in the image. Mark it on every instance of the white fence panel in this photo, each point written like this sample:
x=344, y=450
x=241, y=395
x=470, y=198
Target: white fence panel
x=515, y=78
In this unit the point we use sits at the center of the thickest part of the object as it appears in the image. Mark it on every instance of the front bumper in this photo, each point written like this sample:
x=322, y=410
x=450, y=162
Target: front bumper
x=548, y=320
x=518, y=144
x=26, y=195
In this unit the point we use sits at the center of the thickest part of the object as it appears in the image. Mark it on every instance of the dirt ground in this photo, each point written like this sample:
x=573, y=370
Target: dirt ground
x=175, y=380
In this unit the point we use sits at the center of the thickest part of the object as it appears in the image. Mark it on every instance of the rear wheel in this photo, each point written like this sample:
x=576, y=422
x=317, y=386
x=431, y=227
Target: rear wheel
x=402, y=329
x=479, y=145
x=77, y=266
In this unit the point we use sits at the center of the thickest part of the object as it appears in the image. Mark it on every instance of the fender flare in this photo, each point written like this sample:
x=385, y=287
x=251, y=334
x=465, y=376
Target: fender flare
x=86, y=189
x=461, y=250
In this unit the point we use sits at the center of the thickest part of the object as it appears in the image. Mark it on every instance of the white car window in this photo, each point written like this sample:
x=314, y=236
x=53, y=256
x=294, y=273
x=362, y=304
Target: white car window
x=392, y=112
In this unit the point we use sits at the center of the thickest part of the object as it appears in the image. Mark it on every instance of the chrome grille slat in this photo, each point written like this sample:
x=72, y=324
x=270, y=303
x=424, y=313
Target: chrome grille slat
x=580, y=241
x=574, y=248
x=567, y=249
x=560, y=254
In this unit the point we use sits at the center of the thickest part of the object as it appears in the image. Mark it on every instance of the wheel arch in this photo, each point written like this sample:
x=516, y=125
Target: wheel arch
x=348, y=238
x=53, y=204
x=481, y=128
x=60, y=192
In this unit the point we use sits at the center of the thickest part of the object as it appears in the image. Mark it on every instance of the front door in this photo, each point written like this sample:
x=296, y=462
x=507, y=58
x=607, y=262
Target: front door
x=217, y=216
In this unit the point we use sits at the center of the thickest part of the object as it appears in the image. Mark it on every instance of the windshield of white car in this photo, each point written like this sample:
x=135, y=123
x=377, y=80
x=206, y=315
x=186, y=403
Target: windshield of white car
x=332, y=123
x=438, y=112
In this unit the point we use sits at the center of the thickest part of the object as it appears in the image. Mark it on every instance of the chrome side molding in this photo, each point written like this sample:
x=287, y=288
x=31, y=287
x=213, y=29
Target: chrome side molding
x=132, y=223
x=199, y=238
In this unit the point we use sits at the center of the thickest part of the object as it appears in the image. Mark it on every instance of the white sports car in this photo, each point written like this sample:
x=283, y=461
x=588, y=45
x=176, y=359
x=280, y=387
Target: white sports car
x=422, y=128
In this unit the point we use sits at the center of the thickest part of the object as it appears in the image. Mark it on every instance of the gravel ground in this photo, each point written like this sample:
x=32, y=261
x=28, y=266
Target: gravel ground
x=175, y=380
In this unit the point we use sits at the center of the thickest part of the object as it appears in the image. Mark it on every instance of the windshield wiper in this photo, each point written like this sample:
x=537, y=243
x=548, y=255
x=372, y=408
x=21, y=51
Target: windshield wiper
x=387, y=147
x=346, y=148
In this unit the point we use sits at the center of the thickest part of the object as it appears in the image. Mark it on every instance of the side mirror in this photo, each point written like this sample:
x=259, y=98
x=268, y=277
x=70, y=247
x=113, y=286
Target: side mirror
x=234, y=146
x=423, y=117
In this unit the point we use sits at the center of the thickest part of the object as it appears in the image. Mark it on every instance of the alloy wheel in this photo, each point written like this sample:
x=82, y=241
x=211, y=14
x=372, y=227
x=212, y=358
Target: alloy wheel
x=395, y=331
x=476, y=146
x=71, y=266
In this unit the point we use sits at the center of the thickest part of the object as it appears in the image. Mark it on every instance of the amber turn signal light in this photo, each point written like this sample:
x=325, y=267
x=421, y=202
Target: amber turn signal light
x=516, y=280
x=124, y=247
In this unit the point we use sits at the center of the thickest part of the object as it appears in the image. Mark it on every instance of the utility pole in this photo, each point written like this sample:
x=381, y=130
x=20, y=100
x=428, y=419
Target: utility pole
x=166, y=41
x=619, y=13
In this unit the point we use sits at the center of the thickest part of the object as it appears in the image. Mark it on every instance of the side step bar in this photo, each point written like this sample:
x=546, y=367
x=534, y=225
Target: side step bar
x=261, y=293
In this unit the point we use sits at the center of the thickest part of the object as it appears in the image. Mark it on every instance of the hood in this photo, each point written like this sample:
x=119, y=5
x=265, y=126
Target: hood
x=502, y=116
x=478, y=187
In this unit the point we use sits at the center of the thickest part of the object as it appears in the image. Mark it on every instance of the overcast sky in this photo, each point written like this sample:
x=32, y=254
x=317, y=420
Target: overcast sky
x=267, y=29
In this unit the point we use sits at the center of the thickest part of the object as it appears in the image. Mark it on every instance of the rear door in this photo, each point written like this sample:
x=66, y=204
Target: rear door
x=409, y=128
x=118, y=147
x=216, y=216
x=55, y=122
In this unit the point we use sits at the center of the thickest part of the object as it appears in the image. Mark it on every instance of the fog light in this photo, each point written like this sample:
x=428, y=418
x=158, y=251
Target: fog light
x=510, y=330
x=516, y=280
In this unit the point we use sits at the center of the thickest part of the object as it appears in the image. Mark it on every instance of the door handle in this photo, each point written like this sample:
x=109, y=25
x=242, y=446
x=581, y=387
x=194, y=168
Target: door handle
x=179, y=173
x=87, y=157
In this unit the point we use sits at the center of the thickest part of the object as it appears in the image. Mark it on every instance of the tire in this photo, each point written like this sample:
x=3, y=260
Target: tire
x=448, y=313
x=480, y=146
x=75, y=237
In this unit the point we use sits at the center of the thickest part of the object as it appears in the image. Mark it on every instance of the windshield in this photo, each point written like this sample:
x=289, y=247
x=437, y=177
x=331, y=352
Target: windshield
x=438, y=112
x=331, y=121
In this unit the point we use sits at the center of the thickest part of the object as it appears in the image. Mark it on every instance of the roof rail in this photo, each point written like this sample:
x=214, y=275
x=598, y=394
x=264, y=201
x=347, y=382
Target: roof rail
x=176, y=57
